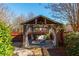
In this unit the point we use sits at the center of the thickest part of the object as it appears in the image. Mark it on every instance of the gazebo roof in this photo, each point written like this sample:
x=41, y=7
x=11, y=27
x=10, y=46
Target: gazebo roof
x=43, y=17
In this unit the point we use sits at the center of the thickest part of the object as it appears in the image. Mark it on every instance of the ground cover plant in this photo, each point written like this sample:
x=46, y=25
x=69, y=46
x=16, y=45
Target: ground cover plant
x=72, y=43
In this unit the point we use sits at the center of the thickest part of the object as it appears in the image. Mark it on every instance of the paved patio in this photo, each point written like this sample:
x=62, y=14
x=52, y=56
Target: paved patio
x=45, y=49
x=40, y=52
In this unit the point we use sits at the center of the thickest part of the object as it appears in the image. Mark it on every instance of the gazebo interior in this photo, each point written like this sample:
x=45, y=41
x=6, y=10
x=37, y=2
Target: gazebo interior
x=41, y=31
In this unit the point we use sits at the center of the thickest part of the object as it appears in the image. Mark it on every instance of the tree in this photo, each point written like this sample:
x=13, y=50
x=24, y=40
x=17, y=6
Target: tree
x=5, y=14
x=6, y=48
x=30, y=15
x=17, y=23
x=66, y=12
x=16, y=26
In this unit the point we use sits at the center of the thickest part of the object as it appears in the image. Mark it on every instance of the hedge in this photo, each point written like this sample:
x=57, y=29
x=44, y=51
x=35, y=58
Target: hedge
x=6, y=48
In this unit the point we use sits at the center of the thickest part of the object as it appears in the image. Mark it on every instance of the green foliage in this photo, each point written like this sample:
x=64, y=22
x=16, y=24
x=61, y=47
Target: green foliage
x=47, y=36
x=5, y=40
x=72, y=43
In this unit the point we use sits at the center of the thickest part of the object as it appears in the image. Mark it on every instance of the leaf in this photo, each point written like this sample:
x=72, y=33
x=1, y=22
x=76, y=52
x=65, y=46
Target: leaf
x=5, y=40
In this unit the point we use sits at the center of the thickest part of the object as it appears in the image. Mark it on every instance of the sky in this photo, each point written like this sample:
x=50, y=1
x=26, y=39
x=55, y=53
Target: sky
x=27, y=8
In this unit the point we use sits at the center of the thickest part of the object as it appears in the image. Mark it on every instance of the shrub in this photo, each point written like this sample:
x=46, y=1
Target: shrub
x=5, y=40
x=72, y=43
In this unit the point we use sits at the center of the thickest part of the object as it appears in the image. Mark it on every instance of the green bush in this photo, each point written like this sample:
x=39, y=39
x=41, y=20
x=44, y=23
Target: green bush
x=5, y=40
x=72, y=43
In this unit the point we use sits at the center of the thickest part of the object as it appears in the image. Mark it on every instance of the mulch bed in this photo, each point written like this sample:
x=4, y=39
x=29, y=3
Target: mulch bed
x=55, y=52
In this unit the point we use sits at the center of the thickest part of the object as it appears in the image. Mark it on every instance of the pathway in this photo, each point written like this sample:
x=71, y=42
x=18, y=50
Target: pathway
x=40, y=52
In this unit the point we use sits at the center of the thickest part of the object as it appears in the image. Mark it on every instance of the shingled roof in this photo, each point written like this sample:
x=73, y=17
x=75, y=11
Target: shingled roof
x=53, y=21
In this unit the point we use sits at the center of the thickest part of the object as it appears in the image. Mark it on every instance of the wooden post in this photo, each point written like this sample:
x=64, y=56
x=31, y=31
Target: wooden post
x=45, y=21
x=54, y=35
x=62, y=37
x=26, y=42
x=35, y=21
x=26, y=45
x=24, y=30
x=55, y=39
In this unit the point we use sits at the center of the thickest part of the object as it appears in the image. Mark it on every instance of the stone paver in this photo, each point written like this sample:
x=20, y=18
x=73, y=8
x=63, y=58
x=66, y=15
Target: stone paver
x=28, y=52
x=40, y=52
x=37, y=51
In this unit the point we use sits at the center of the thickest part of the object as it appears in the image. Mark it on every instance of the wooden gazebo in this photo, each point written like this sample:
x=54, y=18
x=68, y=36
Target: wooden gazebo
x=40, y=29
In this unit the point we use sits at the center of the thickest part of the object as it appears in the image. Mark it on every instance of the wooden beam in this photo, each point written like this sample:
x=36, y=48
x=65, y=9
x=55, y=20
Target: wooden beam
x=35, y=21
x=45, y=21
